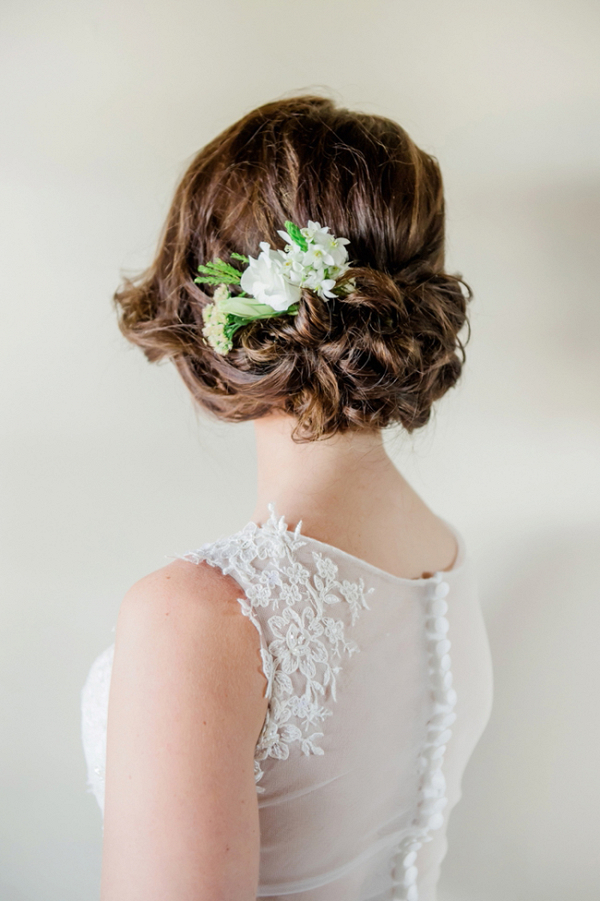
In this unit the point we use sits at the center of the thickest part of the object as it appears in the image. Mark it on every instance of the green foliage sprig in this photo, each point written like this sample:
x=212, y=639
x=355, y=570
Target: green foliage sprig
x=218, y=272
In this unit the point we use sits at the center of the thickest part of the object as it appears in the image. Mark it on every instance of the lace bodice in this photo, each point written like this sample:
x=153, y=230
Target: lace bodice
x=303, y=637
x=356, y=767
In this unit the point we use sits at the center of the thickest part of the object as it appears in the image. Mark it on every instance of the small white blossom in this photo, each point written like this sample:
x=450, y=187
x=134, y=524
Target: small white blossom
x=313, y=230
x=317, y=257
x=292, y=266
x=221, y=293
x=317, y=282
x=320, y=264
x=214, y=328
x=334, y=247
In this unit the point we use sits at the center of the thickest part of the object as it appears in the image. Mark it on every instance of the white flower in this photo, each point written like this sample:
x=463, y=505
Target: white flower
x=317, y=282
x=317, y=256
x=221, y=293
x=334, y=248
x=214, y=328
x=313, y=229
x=265, y=280
x=325, y=288
x=292, y=266
x=287, y=238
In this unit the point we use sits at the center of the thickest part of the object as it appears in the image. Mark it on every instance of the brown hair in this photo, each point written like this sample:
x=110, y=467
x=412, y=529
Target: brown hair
x=380, y=355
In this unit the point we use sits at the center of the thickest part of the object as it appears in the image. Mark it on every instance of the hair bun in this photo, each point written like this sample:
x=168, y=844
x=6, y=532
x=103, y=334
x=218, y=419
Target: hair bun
x=382, y=354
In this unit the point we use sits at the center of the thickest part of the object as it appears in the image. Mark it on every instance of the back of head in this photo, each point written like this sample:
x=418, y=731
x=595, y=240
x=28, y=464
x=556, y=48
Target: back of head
x=381, y=354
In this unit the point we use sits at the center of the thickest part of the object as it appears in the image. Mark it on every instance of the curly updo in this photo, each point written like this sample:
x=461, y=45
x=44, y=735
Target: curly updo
x=380, y=355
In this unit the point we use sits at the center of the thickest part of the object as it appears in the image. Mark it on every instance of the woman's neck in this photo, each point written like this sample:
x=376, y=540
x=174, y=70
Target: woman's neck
x=319, y=480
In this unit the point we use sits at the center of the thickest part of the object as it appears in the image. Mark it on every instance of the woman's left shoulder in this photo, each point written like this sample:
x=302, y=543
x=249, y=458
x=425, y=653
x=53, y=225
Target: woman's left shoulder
x=186, y=709
x=183, y=623
x=182, y=588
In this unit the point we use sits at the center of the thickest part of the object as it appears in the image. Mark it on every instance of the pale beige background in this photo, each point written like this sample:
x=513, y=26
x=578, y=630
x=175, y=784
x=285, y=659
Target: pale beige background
x=106, y=469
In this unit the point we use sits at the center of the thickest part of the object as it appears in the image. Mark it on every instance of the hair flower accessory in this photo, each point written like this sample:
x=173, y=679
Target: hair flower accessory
x=271, y=285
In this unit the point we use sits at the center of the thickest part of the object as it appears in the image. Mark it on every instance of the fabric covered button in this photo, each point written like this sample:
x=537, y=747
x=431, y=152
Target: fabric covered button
x=439, y=608
x=433, y=793
x=445, y=663
x=444, y=737
x=436, y=821
x=442, y=647
x=437, y=679
x=439, y=721
x=412, y=893
x=409, y=859
x=434, y=765
x=440, y=590
x=442, y=681
x=427, y=810
x=438, y=781
x=410, y=876
x=433, y=752
x=446, y=720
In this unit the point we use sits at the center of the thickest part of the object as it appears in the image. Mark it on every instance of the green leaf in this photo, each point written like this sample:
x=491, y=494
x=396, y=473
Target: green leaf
x=236, y=322
x=249, y=309
x=209, y=267
x=221, y=266
x=220, y=278
x=218, y=268
x=296, y=235
x=240, y=256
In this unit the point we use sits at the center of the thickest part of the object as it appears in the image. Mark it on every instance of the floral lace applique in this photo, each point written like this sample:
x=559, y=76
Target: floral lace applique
x=305, y=637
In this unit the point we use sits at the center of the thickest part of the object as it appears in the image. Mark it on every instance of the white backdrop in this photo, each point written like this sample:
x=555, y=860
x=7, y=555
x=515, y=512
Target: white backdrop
x=106, y=469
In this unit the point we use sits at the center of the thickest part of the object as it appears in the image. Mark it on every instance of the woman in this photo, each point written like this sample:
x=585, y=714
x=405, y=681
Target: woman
x=281, y=700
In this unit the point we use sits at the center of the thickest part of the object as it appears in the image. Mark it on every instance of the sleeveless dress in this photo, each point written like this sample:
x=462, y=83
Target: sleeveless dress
x=379, y=689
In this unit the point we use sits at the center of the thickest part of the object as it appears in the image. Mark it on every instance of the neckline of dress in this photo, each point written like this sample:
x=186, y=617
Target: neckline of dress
x=280, y=525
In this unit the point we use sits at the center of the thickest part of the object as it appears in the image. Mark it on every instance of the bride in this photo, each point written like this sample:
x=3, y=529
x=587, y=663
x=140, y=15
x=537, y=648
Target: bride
x=288, y=710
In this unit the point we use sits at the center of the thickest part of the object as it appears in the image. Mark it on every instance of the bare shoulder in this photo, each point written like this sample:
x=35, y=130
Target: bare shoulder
x=191, y=613
x=186, y=708
x=180, y=587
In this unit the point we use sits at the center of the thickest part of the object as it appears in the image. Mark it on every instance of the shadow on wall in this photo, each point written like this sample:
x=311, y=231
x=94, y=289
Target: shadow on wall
x=532, y=791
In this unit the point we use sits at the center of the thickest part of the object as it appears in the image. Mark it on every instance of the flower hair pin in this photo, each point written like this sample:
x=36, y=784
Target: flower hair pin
x=272, y=284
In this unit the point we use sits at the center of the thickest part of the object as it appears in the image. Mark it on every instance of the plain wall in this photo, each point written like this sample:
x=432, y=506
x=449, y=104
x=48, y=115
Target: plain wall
x=107, y=469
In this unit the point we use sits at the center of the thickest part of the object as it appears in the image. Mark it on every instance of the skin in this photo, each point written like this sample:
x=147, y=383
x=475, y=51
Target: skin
x=187, y=691
x=348, y=493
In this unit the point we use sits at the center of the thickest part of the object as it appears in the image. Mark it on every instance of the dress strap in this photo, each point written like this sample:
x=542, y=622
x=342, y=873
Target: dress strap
x=302, y=644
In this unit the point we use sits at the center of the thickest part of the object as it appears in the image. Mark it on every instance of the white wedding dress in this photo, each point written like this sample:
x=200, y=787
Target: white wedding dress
x=380, y=687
